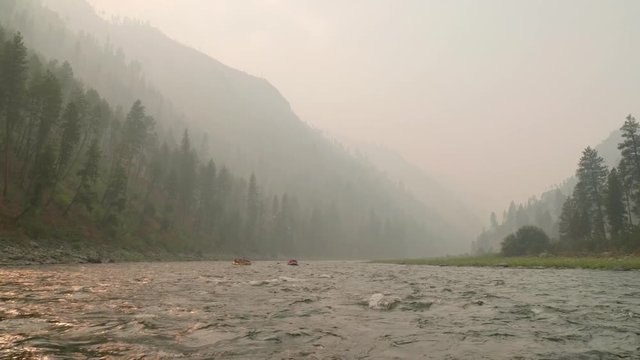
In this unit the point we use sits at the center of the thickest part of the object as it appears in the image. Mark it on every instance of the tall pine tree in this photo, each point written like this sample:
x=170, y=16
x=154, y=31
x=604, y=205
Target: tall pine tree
x=589, y=193
x=630, y=162
x=86, y=193
x=13, y=87
x=573, y=223
x=615, y=204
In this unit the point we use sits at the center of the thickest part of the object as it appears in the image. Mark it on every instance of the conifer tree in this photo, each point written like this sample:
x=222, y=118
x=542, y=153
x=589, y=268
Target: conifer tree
x=187, y=174
x=86, y=193
x=43, y=177
x=574, y=225
x=206, y=204
x=92, y=120
x=223, y=189
x=115, y=196
x=12, y=87
x=31, y=112
x=68, y=141
x=614, y=204
x=589, y=192
x=156, y=168
x=135, y=132
x=627, y=183
x=253, y=210
x=630, y=161
x=49, y=102
x=493, y=219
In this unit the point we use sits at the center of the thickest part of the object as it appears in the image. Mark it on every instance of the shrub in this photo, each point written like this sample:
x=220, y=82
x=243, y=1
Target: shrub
x=528, y=240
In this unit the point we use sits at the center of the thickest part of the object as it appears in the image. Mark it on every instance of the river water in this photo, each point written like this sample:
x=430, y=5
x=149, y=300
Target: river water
x=318, y=310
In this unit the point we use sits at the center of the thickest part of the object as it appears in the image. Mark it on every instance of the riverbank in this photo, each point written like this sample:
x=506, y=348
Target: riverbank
x=561, y=262
x=51, y=251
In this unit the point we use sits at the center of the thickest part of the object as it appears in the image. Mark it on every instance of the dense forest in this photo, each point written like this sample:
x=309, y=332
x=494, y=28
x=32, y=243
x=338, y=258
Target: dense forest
x=79, y=168
x=600, y=214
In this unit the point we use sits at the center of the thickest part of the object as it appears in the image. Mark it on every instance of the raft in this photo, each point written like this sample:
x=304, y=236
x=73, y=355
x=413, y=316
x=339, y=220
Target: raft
x=241, y=261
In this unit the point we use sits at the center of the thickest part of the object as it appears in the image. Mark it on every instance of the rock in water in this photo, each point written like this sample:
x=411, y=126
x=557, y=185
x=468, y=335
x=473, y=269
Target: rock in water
x=380, y=302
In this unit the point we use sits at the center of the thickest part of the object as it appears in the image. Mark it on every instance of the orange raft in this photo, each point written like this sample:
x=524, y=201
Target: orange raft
x=241, y=261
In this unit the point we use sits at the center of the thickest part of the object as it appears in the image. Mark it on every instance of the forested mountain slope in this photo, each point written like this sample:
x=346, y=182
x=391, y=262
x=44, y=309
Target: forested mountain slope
x=450, y=206
x=340, y=205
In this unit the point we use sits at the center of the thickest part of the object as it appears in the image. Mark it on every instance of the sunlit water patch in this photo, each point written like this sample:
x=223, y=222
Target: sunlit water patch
x=318, y=310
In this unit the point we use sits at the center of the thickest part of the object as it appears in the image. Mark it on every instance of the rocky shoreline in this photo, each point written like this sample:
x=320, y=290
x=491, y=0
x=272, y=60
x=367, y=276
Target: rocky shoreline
x=40, y=252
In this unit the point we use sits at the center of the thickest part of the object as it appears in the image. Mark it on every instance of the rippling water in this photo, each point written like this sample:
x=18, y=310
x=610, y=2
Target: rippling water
x=319, y=310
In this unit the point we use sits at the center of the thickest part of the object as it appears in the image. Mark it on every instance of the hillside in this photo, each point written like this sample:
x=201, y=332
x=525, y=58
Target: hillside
x=243, y=122
x=424, y=187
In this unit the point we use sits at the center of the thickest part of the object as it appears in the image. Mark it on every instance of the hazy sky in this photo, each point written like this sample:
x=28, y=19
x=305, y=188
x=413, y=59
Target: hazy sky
x=495, y=98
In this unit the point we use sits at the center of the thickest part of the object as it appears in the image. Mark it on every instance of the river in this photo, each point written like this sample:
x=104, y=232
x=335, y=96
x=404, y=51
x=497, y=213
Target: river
x=318, y=310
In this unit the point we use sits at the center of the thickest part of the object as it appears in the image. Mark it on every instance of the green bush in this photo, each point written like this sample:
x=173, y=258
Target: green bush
x=528, y=240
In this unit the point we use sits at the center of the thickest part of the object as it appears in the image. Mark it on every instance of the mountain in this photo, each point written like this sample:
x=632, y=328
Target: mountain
x=424, y=187
x=243, y=122
x=247, y=121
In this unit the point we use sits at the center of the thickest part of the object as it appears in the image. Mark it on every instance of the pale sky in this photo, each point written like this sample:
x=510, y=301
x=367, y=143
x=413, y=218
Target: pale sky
x=494, y=98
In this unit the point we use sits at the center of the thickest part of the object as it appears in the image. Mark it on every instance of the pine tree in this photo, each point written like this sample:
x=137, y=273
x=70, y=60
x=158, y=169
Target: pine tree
x=284, y=224
x=493, y=219
x=30, y=111
x=68, y=141
x=49, y=102
x=574, y=223
x=206, y=205
x=43, y=177
x=630, y=162
x=223, y=190
x=64, y=73
x=627, y=185
x=91, y=119
x=592, y=177
x=614, y=203
x=512, y=218
x=135, y=132
x=187, y=175
x=544, y=220
x=115, y=196
x=12, y=83
x=86, y=193
x=253, y=210
x=171, y=188
x=156, y=168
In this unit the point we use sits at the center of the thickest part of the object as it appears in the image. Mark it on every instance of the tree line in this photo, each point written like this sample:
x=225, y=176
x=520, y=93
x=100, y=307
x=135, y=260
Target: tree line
x=76, y=167
x=541, y=212
x=602, y=212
